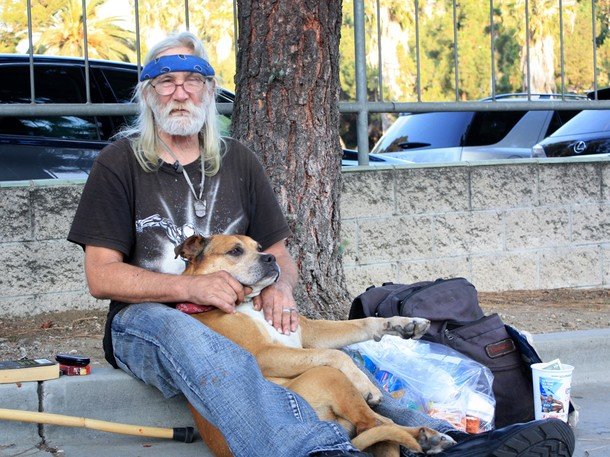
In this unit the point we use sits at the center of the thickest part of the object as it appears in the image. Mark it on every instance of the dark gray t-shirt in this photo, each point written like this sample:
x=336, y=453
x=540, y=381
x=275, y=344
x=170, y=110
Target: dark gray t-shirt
x=145, y=215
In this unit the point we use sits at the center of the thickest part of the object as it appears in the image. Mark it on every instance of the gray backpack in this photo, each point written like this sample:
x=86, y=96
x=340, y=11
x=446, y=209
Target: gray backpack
x=458, y=321
x=438, y=301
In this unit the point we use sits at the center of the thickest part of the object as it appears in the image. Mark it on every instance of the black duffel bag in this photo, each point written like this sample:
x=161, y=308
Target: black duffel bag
x=457, y=321
x=438, y=301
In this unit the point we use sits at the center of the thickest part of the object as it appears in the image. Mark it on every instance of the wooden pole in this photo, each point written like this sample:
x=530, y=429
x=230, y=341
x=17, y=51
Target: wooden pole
x=184, y=434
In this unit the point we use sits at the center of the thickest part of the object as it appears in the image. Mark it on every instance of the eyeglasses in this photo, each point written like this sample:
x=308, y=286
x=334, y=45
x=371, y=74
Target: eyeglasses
x=191, y=85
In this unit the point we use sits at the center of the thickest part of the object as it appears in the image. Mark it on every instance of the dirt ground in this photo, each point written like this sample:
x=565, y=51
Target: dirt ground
x=80, y=332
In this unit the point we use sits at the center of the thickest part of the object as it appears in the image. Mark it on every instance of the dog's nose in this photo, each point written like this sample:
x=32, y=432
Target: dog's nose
x=268, y=258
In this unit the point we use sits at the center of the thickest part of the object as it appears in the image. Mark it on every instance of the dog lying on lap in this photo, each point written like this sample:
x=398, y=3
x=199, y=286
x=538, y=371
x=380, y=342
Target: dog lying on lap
x=306, y=361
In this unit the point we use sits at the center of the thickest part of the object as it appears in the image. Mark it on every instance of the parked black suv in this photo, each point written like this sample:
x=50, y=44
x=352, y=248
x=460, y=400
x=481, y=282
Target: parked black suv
x=61, y=146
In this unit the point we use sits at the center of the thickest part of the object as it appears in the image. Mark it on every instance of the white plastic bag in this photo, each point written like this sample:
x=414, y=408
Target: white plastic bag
x=432, y=378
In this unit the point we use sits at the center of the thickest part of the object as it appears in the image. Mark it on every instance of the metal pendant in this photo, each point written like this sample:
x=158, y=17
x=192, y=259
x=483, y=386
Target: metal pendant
x=200, y=208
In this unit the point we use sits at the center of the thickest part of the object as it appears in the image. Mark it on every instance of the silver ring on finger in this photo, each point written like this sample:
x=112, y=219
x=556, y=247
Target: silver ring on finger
x=286, y=310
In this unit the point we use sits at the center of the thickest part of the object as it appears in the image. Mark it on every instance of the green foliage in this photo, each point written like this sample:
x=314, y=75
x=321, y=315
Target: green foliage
x=602, y=29
x=347, y=72
x=437, y=44
x=63, y=34
x=506, y=57
x=58, y=29
x=474, y=41
x=578, y=54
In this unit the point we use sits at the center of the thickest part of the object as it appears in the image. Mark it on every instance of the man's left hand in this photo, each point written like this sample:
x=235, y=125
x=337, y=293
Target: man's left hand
x=279, y=307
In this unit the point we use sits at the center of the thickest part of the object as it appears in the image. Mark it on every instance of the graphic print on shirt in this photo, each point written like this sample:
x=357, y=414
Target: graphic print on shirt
x=160, y=232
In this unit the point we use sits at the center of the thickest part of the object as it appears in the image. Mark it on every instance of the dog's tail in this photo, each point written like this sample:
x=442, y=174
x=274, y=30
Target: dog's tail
x=389, y=432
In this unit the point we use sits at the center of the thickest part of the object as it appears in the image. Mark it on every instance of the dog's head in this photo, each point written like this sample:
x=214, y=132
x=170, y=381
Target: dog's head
x=238, y=255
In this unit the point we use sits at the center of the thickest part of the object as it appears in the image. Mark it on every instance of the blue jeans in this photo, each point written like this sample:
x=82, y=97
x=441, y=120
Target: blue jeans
x=175, y=353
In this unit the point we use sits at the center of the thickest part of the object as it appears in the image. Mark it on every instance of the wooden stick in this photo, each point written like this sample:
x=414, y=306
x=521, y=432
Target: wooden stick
x=184, y=434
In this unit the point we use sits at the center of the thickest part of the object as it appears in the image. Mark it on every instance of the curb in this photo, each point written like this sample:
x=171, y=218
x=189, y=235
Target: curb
x=112, y=395
x=586, y=350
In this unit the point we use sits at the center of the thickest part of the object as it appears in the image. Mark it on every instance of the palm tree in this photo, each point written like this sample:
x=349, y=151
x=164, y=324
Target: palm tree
x=543, y=35
x=212, y=21
x=158, y=18
x=64, y=34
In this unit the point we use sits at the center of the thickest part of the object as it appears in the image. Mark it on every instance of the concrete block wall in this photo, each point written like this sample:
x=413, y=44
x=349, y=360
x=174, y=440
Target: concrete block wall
x=507, y=225
x=41, y=271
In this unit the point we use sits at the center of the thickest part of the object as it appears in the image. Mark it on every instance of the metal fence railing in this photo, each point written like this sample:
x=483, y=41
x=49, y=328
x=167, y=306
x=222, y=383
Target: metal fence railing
x=361, y=106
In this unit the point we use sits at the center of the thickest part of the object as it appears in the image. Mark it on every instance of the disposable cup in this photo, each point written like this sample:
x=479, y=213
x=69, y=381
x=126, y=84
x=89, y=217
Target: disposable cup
x=551, y=391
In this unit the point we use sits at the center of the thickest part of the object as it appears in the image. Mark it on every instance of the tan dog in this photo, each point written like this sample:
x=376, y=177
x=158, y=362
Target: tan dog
x=307, y=362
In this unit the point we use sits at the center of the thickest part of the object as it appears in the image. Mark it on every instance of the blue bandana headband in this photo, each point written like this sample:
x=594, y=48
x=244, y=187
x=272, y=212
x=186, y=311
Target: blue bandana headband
x=178, y=62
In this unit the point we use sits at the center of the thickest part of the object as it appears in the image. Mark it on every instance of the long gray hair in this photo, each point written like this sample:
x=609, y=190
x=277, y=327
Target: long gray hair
x=142, y=132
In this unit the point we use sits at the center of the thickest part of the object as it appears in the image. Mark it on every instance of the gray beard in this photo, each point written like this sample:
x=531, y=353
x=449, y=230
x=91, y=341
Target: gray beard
x=181, y=125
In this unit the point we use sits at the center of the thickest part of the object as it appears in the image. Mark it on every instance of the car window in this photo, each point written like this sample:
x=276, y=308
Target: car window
x=425, y=130
x=15, y=88
x=588, y=121
x=117, y=86
x=62, y=127
x=490, y=127
x=121, y=83
x=224, y=96
x=559, y=118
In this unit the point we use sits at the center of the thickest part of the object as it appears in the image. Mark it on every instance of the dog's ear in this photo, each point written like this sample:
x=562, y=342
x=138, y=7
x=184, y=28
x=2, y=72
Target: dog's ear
x=191, y=247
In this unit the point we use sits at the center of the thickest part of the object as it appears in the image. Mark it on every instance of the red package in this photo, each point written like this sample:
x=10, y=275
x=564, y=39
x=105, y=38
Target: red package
x=71, y=370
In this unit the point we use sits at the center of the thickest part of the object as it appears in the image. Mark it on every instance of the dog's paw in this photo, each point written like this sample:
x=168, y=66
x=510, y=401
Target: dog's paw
x=421, y=327
x=433, y=442
x=369, y=391
x=406, y=327
x=373, y=396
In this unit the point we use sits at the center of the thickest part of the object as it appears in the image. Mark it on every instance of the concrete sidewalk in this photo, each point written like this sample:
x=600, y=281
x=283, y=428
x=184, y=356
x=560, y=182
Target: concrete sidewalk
x=111, y=395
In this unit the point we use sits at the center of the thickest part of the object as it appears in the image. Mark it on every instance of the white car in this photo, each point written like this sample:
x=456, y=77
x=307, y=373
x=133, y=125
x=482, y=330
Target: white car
x=350, y=159
x=471, y=136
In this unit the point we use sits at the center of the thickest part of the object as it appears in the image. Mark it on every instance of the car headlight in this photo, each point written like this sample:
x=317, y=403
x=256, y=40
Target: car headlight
x=538, y=151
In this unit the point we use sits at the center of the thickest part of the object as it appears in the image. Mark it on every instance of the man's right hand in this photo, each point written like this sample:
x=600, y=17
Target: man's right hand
x=218, y=289
x=109, y=277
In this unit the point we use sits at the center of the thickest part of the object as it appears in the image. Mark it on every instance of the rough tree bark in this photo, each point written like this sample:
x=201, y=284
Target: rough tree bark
x=286, y=110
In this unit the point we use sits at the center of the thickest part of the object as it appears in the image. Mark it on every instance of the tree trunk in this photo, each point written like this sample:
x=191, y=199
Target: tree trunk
x=286, y=111
x=542, y=66
x=544, y=27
